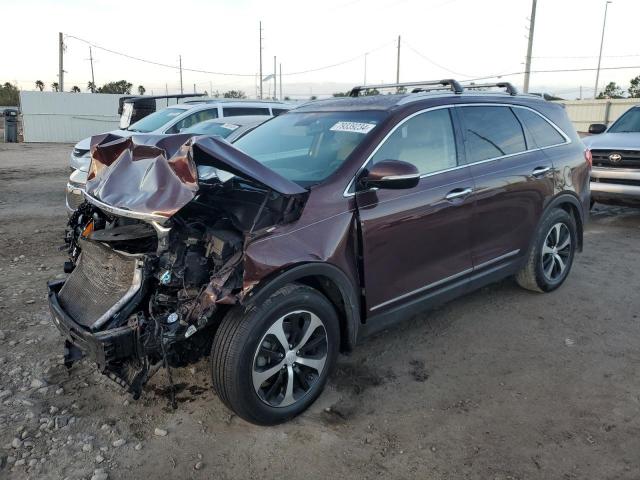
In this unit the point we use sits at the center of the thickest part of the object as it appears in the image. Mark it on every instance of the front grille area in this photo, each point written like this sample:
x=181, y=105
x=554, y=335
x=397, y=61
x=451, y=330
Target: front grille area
x=630, y=158
x=101, y=279
x=618, y=181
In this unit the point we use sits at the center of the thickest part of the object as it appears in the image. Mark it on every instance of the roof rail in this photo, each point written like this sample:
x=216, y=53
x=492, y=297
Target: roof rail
x=511, y=90
x=451, y=83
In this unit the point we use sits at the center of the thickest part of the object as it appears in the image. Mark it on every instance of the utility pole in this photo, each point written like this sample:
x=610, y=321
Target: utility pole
x=398, y=63
x=93, y=80
x=180, y=58
x=365, y=69
x=210, y=89
x=194, y=88
x=275, y=79
x=260, y=60
x=532, y=25
x=604, y=24
x=580, y=92
x=60, y=62
x=281, y=97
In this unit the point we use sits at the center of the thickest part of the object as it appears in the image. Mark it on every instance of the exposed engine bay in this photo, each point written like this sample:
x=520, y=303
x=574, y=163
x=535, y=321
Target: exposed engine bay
x=144, y=294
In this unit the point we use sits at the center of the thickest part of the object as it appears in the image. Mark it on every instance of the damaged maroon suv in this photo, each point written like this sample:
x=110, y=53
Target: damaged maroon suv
x=272, y=255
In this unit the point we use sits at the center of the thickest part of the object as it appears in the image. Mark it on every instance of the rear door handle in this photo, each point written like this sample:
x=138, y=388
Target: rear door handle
x=540, y=171
x=458, y=193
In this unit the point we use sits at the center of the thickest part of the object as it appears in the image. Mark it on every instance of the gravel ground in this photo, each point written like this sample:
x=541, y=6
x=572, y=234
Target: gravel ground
x=500, y=384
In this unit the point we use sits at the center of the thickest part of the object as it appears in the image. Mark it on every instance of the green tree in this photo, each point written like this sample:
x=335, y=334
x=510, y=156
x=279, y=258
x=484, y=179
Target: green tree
x=371, y=91
x=91, y=87
x=55, y=87
x=341, y=94
x=287, y=98
x=313, y=97
x=9, y=95
x=141, y=90
x=75, y=89
x=634, y=87
x=40, y=85
x=234, y=94
x=121, y=86
x=612, y=90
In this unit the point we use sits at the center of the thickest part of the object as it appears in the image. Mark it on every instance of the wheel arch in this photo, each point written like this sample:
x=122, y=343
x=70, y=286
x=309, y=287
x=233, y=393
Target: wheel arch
x=329, y=280
x=571, y=204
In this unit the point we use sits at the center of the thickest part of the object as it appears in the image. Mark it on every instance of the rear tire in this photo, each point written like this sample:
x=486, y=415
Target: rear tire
x=551, y=255
x=270, y=362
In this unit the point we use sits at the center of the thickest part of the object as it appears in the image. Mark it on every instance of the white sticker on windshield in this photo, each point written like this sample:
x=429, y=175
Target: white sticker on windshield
x=229, y=126
x=355, y=127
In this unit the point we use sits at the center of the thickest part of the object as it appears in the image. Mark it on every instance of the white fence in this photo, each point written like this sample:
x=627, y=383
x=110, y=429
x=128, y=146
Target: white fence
x=67, y=117
x=585, y=112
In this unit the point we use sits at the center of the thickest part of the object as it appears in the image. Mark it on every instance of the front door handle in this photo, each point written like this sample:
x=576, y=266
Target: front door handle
x=540, y=171
x=458, y=193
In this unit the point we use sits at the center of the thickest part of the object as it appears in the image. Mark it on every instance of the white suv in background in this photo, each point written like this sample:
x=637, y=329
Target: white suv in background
x=181, y=116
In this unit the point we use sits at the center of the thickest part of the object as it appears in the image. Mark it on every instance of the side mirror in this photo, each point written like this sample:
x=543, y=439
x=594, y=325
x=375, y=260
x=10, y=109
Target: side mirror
x=597, y=128
x=391, y=174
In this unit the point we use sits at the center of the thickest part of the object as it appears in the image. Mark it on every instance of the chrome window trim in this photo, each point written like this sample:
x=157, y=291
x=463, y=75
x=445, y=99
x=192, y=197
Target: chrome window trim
x=567, y=141
x=447, y=279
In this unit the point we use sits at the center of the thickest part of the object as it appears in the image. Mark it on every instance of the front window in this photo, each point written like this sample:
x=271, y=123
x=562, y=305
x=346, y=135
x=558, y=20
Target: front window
x=627, y=123
x=155, y=120
x=308, y=147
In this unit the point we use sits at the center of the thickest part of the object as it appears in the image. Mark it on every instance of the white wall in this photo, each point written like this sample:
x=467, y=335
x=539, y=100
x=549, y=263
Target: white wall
x=67, y=117
x=585, y=112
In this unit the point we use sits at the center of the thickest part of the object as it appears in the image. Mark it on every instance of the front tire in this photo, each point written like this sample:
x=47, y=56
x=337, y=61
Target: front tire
x=551, y=256
x=270, y=362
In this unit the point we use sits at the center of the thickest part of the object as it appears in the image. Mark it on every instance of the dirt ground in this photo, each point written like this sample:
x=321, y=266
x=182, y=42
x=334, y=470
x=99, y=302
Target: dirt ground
x=501, y=384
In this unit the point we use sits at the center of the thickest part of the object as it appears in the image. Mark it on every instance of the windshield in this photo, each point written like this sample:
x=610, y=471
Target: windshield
x=222, y=130
x=628, y=122
x=308, y=147
x=155, y=120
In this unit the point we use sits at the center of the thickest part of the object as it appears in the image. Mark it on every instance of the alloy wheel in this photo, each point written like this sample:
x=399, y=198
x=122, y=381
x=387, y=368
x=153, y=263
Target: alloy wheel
x=556, y=252
x=290, y=358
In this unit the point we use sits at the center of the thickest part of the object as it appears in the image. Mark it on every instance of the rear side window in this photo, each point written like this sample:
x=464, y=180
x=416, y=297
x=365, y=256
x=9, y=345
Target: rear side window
x=194, y=119
x=539, y=132
x=240, y=111
x=278, y=111
x=491, y=132
x=426, y=141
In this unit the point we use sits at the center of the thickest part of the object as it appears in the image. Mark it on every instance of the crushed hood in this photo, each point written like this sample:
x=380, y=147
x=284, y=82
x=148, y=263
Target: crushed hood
x=156, y=175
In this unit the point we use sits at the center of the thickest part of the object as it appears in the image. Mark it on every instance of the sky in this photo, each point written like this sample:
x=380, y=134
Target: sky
x=463, y=39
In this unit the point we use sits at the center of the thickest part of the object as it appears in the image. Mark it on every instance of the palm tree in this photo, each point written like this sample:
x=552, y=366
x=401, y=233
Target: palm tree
x=141, y=89
x=75, y=89
x=40, y=85
x=91, y=87
x=55, y=86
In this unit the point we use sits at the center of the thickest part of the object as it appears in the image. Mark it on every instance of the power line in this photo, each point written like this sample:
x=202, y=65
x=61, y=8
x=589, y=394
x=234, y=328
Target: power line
x=175, y=67
x=434, y=63
x=563, y=70
x=564, y=57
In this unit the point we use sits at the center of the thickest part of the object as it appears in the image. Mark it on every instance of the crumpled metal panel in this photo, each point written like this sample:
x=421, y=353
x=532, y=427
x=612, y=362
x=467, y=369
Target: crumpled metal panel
x=152, y=174
x=157, y=174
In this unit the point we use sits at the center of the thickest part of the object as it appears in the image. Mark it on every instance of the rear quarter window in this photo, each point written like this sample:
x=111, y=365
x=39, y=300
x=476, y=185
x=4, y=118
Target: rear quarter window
x=491, y=132
x=540, y=133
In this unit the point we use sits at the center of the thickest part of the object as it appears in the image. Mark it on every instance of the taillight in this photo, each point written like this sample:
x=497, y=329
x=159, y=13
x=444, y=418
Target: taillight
x=588, y=157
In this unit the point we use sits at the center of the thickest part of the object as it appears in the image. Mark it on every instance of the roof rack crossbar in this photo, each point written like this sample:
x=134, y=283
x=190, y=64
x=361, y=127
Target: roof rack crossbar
x=448, y=82
x=511, y=90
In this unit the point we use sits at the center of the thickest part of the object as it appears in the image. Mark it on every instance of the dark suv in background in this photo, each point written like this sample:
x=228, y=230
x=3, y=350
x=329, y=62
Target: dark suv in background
x=320, y=226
